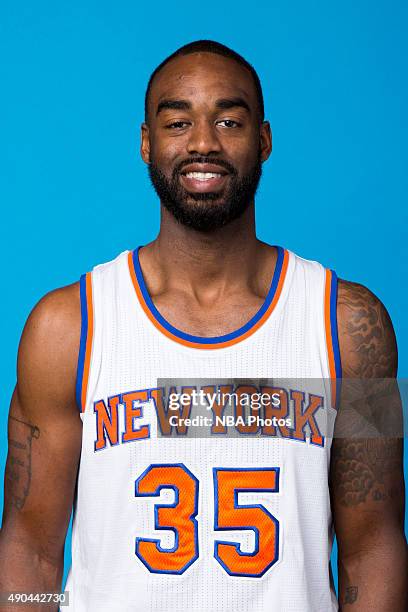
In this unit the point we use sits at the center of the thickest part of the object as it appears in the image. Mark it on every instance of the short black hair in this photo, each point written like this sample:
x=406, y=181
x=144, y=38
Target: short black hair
x=209, y=46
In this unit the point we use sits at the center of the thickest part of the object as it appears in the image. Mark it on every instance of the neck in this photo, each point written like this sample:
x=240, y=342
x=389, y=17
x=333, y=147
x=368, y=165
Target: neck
x=207, y=265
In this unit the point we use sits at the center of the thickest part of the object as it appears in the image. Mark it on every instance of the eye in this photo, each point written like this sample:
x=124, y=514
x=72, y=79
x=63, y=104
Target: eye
x=230, y=123
x=176, y=125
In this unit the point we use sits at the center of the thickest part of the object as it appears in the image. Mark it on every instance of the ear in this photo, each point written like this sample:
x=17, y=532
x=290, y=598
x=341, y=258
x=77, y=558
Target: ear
x=265, y=140
x=145, y=143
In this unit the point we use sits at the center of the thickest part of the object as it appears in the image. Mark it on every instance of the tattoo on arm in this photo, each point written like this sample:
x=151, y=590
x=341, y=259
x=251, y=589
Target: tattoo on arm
x=366, y=474
x=367, y=449
x=361, y=470
x=18, y=469
x=351, y=595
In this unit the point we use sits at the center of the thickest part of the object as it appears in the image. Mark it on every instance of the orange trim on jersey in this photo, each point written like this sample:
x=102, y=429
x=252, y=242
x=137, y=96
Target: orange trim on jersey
x=202, y=345
x=89, y=338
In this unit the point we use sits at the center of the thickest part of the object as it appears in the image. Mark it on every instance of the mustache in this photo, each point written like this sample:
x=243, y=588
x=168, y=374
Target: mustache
x=205, y=160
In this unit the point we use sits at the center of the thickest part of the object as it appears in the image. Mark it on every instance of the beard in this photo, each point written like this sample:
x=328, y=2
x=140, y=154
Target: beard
x=206, y=211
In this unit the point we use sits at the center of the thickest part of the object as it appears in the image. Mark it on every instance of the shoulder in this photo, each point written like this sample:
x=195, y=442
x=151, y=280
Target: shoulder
x=57, y=313
x=49, y=345
x=368, y=346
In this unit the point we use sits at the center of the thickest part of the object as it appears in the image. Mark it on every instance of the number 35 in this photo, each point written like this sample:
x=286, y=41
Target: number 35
x=180, y=517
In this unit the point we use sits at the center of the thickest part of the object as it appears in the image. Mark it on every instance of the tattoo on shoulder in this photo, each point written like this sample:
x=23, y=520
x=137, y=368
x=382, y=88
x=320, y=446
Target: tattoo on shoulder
x=366, y=335
x=366, y=454
x=18, y=468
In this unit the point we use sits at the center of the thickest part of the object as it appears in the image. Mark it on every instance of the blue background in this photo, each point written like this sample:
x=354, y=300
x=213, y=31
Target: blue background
x=74, y=191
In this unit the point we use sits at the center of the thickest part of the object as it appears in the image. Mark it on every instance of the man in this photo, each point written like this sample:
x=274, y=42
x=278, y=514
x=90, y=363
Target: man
x=168, y=520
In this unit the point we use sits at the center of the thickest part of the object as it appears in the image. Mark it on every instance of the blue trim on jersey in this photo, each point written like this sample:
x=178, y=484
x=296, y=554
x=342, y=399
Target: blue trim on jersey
x=82, y=343
x=209, y=339
x=335, y=336
x=333, y=323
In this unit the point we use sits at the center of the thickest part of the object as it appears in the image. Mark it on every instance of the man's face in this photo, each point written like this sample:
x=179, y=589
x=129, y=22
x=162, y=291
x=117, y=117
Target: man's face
x=205, y=143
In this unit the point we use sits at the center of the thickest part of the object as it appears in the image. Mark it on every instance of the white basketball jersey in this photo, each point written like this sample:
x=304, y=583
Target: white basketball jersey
x=217, y=514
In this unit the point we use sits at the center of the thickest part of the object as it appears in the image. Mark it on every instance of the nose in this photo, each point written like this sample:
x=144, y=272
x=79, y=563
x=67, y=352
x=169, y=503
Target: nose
x=203, y=139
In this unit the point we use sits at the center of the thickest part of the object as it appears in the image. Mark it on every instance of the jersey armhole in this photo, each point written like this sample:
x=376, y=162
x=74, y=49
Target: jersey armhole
x=332, y=338
x=85, y=344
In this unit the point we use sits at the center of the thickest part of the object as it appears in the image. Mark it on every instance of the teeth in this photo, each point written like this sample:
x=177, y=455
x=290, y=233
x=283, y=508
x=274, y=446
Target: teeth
x=202, y=176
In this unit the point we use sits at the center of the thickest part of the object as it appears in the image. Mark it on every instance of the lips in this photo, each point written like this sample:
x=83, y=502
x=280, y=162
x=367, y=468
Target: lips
x=203, y=177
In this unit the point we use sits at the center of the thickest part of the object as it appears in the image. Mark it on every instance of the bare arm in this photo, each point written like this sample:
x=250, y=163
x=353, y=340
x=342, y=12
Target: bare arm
x=44, y=433
x=367, y=483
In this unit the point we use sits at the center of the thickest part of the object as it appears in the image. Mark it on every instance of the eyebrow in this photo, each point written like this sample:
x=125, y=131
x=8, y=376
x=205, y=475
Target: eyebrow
x=173, y=105
x=222, y=103
x=226, y=103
